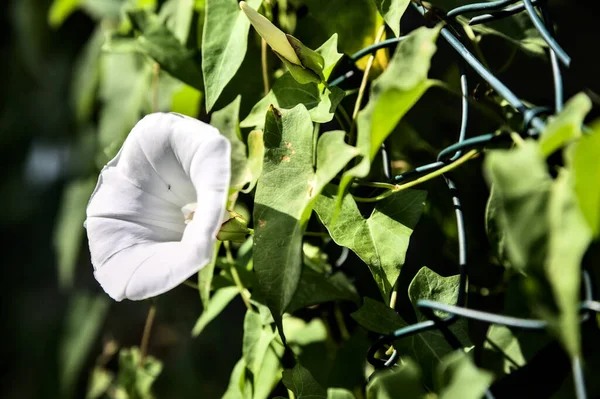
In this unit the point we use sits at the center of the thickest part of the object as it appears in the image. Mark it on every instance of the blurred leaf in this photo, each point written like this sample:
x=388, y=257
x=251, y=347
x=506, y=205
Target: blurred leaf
x=566, y=126
x=254, y=165
x=86, y=77
x=219, y=301
x=256, y=341
x=502, y=341
x=69, y=229
x=314, y=288
x=377, y=316
x=136, y=375
x=84, y=319
x=459, y=378
x=546, y=233
x=301, y=382
x=390, y=225
x=269, y=373
x=339, y=393
x=392, y=95
x=160, y=44
x=227, y=121
x=60, y=10
x=124, y=86
x=187, y=101
x=392, y=11
x=404, y=381
x=287, y=93
x=430, y=285
x=178, y=15
x=586, y=175
x=495, y=235
x=300, y=333
x=100, y=381
x=238, y=385
x=224, y=44
x=284, y=197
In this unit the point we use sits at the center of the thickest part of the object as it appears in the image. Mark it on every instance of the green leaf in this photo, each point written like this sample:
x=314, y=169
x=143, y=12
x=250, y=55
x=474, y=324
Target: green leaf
x=69, y=229
x=284, y=197
x=256, y=341
x=237, y=382
x=586, y=175
x=205, y=277
x=392, y=11
x=430, y=285
x=86, y=77
x=404, y=380
x=546, y=235
x=392, y=95
x=566, y=126
x=227, y=121
x=224, y=44
x=301, y=382
x=60, y=10
x=187, y=101
x=84, y=319
x=430, y=347
x=178, y=15
x=330, y=54
x=287, y=93
x=300, y=334
x=459, y=378
x=99, y=383
x=158, y=42
x=256, y=154
x=269, y=374
x=136, y=376
x=339, y=393
x=501, y=340
x=125, y=84
x=495, y=235
x=309, y=58
x=315, y=288
x=218, y=302
x=378, y=317
x=382, y=239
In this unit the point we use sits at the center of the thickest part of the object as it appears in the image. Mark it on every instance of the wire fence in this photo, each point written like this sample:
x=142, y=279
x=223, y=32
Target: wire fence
x=533, y=124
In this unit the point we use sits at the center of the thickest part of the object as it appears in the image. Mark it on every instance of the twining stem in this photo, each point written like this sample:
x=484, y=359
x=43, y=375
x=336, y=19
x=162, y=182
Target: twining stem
x=420, y=180
x=376, y=184
x=265, y=65
x=363, y=84
x=191, y=285
x=339, y=318
x=146, y=334
x=155, y=76
x=236, y=277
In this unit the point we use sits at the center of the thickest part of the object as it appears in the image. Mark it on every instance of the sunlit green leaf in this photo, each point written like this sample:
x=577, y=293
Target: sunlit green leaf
x=501, y=341
x=256, y=341
x=238, y=383
x=99, y=383
x=284, y=196
x=565, y=126
x=430, y=285
x=288, y=93
x=178, y=15
x=217, y=303
x=586, y=175
x=546, y=235
x=392, y=11
x=224, y=44
x=69, y=229
x=404, y=379
x=187, y=101
x=339, y=393
x=392, y=95
x=381, y=240
x=459, y=378
x=60, y=11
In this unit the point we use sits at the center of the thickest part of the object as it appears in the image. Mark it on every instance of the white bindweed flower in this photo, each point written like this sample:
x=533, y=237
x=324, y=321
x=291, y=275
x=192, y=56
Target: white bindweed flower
x=274, y=36
x=153, y=218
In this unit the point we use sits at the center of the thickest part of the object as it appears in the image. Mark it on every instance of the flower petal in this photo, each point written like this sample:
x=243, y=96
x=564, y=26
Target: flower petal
x=139, y=242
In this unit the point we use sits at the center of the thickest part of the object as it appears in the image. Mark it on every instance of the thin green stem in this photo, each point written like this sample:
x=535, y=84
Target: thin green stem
x=146, y=334
x=375, y=184
x=236, y=277
x=420, y=180
x=191, y=285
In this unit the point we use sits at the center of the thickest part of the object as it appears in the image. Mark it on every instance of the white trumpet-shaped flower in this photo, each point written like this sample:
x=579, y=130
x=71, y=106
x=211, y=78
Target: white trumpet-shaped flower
x=274, y=36
x=153, y=218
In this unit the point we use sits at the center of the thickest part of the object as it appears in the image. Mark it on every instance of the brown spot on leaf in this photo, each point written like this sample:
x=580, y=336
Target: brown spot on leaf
x=285, y=158
x=262, y=223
